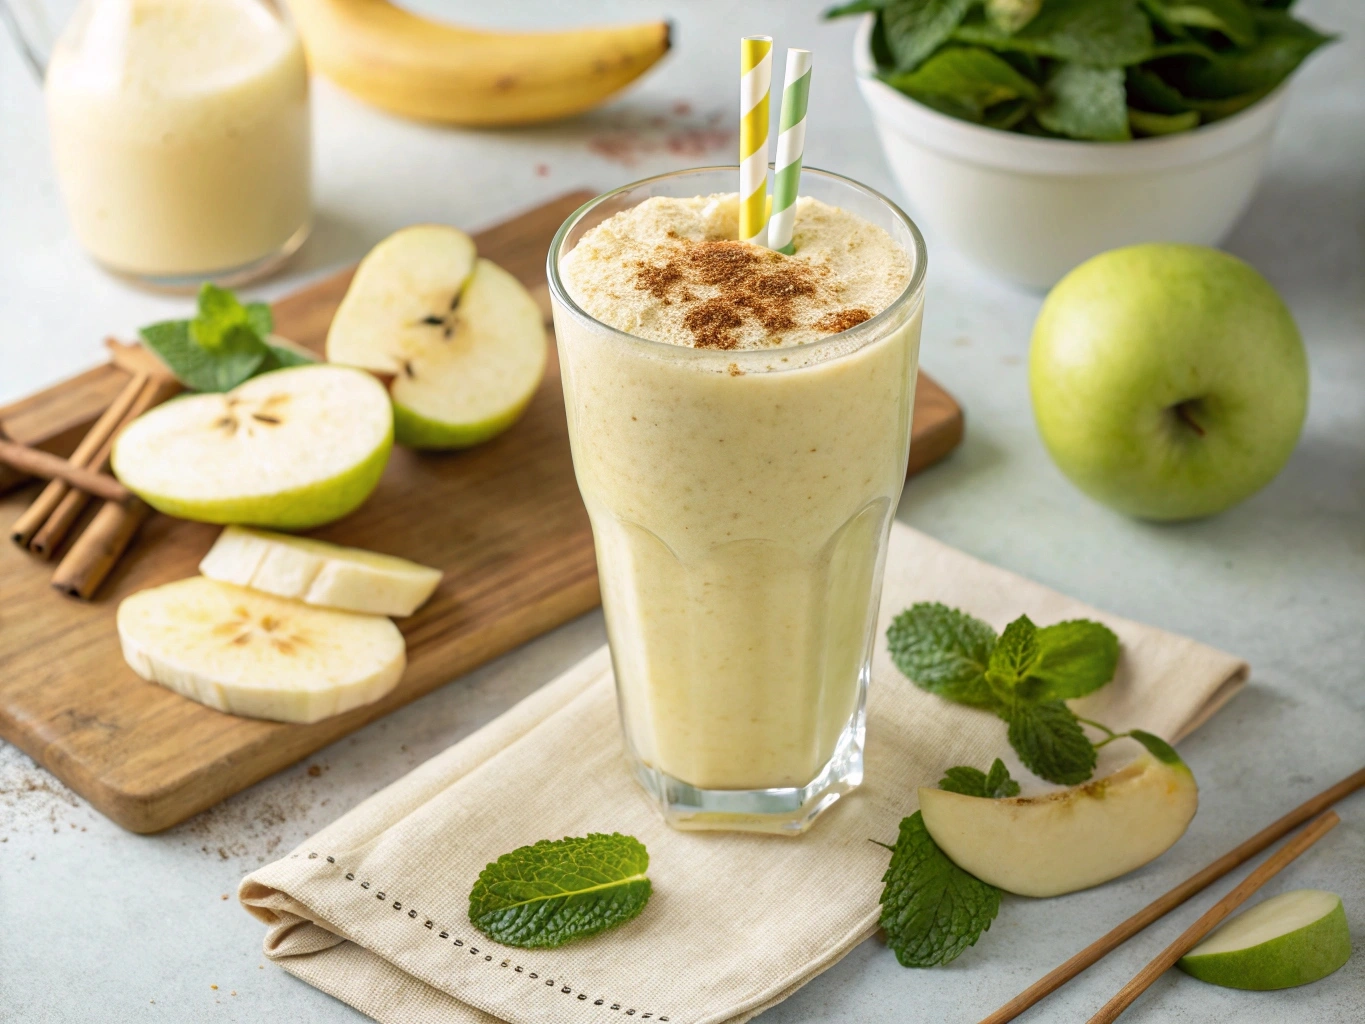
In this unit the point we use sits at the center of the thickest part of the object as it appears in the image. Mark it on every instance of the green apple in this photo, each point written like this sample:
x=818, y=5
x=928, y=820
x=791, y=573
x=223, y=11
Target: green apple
x=1168, y=381
x=291, y=449
x=1291, y=939
x=462, y=340
x=1070, y=839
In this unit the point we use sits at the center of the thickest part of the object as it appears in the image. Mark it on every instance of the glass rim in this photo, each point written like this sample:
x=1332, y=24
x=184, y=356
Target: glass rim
x=856, y=337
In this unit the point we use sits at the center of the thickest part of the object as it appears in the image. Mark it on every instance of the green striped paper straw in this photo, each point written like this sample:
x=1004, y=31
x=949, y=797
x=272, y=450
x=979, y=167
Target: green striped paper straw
x=791, y=143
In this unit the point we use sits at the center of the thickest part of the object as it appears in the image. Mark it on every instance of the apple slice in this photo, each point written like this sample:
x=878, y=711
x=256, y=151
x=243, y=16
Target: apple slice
x=291, y=449
x=318, y=573
x=463, y=340
x=1067, y=840
x=253, y=654
x=1291, y=939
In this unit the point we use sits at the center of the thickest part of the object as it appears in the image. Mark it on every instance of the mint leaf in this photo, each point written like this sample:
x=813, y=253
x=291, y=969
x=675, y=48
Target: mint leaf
x=1157, y=747
x=1145, y=86
x=1149, y=89
x=974, y=782
x=1105, y=33
x=1231, y=18
x=1074, y=658
x=916, y=28
x=1084, y=102
x=281, y=357
x=1282, y=46
x=932, y=910
x=554, y=892
x=1011, y=15
x=1145, y=123
x=964, y=82
x=220, y=315
x=1014, y=656
x=1049, y=740
x=965, y=780
x=260, y=319
x=944, y=651
x=857, y=7
x=998, y=781
x=201, y=369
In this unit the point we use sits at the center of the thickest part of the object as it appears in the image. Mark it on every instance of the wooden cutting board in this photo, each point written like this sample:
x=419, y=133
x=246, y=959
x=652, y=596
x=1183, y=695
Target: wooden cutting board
x=504, y=521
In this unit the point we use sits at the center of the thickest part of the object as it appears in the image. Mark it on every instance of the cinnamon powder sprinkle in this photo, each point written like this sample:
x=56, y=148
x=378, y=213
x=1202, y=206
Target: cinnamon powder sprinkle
x=752, y=284
x=842, y=320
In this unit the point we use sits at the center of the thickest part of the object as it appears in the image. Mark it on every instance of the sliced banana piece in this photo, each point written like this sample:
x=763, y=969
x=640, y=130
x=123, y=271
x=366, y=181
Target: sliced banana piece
x=258, y=655
x=318, y=573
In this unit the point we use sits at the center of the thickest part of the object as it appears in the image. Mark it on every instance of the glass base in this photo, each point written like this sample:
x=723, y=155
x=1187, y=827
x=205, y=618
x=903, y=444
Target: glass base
x=787, y=812
x=230, y=277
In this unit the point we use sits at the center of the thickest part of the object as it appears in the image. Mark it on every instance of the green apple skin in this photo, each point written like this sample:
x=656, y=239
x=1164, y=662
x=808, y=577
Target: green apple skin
x=1168, y=381
x=299, y=509
x=413, y=430
x=1300, y=957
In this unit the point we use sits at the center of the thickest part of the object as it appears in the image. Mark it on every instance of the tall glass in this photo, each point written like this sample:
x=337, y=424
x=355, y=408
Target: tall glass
x=740, y=504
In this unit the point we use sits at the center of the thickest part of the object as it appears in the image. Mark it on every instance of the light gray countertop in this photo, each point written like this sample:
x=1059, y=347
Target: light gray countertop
x=97, y=924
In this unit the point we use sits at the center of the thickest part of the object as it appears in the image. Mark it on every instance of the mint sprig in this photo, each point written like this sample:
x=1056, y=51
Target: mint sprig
x=1024, y=676
x=969, y=781
x=553, y=892
x=932, y=910
x=225, y=344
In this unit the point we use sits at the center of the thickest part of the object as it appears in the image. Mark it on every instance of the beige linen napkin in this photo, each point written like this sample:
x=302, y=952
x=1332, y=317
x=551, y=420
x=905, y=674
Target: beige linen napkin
x=373, y=909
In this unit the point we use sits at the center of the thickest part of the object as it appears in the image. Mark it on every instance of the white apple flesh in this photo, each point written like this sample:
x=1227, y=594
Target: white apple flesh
x=1067, y=840
x=290, y=449
x=1168, y=381
x=461, y=338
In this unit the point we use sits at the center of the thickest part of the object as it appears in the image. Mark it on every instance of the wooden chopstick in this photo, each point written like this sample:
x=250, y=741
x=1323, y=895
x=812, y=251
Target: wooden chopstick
x=51, y=534
x=1163, y=905
x=1212, y=917
x=33, y=518
x=36, y=462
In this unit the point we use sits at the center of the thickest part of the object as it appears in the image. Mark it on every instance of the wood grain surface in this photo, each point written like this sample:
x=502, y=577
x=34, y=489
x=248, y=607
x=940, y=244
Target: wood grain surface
x=504, y=521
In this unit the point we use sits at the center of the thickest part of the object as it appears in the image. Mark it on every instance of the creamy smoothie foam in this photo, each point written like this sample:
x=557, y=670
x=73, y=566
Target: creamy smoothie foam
x=740, y=493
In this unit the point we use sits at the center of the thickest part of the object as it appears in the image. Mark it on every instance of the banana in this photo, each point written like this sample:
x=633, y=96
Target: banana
x=434, y=71
x=318, y=573
x=253, y=654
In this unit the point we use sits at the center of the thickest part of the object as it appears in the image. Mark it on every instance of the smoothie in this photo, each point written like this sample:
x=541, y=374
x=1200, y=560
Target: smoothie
x=740, y=465
x=180, y=133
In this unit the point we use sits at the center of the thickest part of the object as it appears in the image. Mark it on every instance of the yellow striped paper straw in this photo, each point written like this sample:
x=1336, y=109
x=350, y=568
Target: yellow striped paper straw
x=756, y=70
x=791, y=142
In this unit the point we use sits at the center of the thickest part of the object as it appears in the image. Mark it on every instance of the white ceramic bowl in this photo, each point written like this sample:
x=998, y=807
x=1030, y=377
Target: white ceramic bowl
x=1030, y=208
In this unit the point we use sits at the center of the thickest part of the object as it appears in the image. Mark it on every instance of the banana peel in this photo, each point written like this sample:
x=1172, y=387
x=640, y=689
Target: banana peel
x=434, y=71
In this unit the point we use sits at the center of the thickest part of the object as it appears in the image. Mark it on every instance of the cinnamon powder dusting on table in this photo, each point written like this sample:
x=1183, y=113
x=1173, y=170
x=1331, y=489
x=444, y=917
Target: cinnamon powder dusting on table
x=750, y=283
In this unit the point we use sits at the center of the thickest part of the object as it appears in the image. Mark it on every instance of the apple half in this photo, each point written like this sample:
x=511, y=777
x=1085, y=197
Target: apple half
x=1067, y=840
x=290, y=449
x=463, y=342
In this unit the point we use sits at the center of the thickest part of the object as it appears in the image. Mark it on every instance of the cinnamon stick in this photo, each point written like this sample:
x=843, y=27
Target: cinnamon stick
x=134, y=357
x=1214, y=916
x=99, y=547
x=51, y=534
x=1163, y=905
x=36, y=462
x=33, y=518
